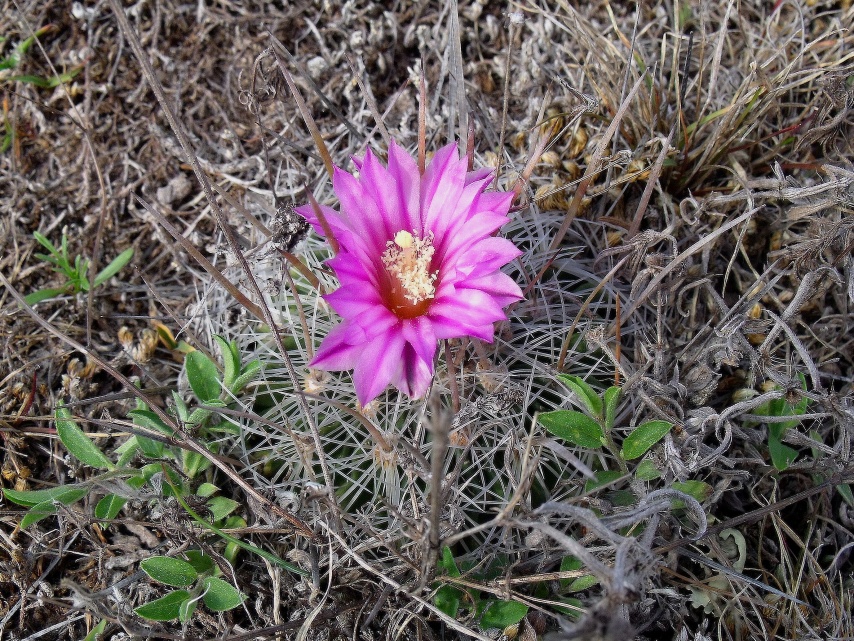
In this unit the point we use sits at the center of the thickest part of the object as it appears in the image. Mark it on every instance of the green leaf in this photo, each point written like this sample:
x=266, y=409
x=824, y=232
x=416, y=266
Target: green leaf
x=568, y=564
x=232, y=549
x=230, y=361
x=194, y=463
x=574, y=609
x=114, y=267
x=612, y=398
x=61, y=493
x=220, y=595
x=186, y=609
x=43, y=294
x=584, y=392
x=246, y=375
x=290, y=567
x=127, y=451
x=97, y=630
x=206, y=490
x=165, y=608
x=46, y=508
x=699, y=490
x=846, y=494
x=77, y=442
x=150, y=448
x=46, y=83
x=109, y=506
x=643, y=437
x=167, y=477
x=203, y=377
x=174, y=572
x=582, y=583
x=44, y=241
x=180, y=406
x=447, y=562
x=575, y=427
x=500, y=614
x=782, y=456
x=151, y=421
x=203, y=563
x=220, y=507
x=646, y=471
x=198, y=417
x=37, y=513
x=447, y=599
x=604, y=477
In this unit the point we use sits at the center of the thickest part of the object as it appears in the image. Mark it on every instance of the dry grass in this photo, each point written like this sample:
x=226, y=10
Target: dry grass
x=686, y=229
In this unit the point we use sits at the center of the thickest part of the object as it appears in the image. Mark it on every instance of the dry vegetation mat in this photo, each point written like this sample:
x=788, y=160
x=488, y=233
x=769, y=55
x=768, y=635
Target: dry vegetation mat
x=426, y=320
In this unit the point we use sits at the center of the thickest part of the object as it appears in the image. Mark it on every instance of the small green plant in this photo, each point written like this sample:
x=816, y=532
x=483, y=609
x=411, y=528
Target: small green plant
x=593, y=427
x=8, y=133
x=75, y=274
x=96, y=631
x=12, y=61
x=212, y=392
x=199, y=580
x=782, y=456
x=488, y=612
x=159, y=476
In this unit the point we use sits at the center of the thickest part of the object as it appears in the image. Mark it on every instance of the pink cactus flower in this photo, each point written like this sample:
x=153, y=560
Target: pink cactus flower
x=418, y=262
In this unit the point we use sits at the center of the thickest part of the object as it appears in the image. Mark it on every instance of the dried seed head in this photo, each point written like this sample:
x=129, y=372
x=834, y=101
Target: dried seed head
x=315, y=381
x=383, y=458
x=578, y=144
x=125, y=338
x=147, y=345
x=369, y=410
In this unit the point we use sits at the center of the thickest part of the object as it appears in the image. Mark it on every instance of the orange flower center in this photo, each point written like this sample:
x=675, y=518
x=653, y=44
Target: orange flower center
x=410, y=285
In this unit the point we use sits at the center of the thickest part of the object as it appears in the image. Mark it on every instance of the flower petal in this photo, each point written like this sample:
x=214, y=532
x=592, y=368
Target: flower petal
x=471, y=291
x=479, y=174
x=337, y=351
x=407, y=180
x=351, y=269
x=333, y=219
x=375, y=321
x=486, y=256
x=445, y=224
x=360, y=214
x=354, y=299
x=503, y=289
x=441, y=186
x=379, y=361
x=469, y=312
x=419, y=333
x=416, y=374
x=379, y=185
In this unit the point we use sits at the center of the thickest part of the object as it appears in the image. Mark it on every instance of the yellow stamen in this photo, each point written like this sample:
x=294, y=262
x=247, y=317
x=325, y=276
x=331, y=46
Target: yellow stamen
x=403, y=239
x=411, y=284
